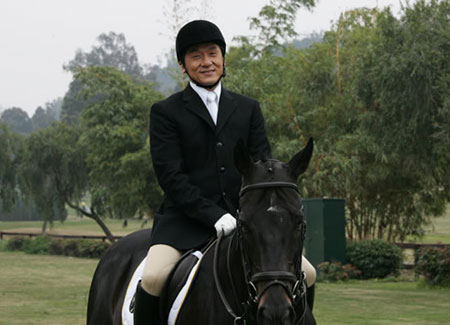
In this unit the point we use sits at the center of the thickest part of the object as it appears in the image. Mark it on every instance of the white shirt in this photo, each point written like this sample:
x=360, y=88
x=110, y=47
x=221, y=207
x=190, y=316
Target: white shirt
x=203, y=93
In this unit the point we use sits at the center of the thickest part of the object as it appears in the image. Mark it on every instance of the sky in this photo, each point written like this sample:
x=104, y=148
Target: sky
x=38, y=36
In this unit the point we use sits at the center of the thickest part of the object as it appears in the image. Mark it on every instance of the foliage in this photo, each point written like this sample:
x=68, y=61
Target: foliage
x=275, y=23
x=377, y=113
x=112, y=50
x=68, y=247
x=11, y=147
x=38, y=245
x=434, y=264
x=375, y=258
x=17, y=120
x=335, y=271
x=17, y=243
x=53, y=170
x=115, y=136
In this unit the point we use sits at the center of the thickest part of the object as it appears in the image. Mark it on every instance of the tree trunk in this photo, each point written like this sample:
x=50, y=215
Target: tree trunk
x=105, y=229
x=94, y=216
x=44, y=227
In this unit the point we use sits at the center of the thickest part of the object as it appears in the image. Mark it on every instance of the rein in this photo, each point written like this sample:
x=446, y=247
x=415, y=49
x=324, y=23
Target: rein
x=273, y=277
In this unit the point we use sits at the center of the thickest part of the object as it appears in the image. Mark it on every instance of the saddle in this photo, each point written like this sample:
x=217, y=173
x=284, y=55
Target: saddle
x=179, y=281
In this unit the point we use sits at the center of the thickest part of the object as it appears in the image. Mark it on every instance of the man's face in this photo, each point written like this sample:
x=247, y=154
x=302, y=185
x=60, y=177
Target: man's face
x=204, y=63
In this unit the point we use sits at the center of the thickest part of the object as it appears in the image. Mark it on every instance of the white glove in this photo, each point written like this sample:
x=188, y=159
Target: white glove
x=226, y=223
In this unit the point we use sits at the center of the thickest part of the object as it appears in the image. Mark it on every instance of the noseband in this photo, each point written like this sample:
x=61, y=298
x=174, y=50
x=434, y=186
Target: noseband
x=296, y=292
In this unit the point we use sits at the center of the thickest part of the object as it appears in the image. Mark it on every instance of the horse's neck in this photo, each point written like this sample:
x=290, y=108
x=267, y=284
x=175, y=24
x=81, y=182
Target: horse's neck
x=233, y=266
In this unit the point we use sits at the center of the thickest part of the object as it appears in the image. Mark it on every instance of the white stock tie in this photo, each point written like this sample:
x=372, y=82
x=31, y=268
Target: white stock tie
x=211, y=101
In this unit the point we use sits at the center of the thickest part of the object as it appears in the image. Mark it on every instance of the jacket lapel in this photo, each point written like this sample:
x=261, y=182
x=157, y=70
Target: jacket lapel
x=194, y=104
x=226, y=108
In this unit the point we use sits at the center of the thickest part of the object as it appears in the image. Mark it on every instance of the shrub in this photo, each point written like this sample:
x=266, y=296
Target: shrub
x=434, y=264
x=69, y=247
x=38, y=245
x=92, y=248
x=56, y=247
x=375, y=258
x=335, y=271
x=17, y=243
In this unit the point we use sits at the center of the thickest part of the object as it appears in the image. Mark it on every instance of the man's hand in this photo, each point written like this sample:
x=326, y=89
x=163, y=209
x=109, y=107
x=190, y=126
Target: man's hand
x=227, y=223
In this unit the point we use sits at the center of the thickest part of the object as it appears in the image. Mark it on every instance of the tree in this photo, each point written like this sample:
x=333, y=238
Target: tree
x=10, y=155
x=275, y=24
x=115, y=135
x=17, y=120
x=54, y=174
x=41, y=119
x=374, y=94
x=112, y=51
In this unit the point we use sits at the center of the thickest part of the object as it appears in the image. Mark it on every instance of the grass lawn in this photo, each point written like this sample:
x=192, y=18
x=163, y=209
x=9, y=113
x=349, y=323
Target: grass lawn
x=39, y=289
x=75, y=226
x=381, y=302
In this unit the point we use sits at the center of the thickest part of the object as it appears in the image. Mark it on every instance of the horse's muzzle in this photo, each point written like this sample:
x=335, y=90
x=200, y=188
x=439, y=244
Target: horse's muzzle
x=275, y=308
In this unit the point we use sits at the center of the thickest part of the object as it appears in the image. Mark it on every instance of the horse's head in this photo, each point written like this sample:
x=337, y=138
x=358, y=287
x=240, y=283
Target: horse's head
x=271, y=228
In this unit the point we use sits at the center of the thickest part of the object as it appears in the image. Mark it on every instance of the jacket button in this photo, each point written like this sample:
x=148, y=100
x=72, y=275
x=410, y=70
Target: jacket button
x=224, y=194
x=222, y=169
x=219, y=144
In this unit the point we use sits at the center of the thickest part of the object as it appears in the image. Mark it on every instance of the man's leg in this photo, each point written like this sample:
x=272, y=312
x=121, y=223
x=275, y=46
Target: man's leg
x=310, y=272
x=160, y=261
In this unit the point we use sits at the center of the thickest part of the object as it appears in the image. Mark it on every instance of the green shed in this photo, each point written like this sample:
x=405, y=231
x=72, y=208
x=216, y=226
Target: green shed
x=325, y=230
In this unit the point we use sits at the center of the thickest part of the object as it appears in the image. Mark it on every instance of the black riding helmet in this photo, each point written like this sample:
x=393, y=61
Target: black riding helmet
x=196, y=32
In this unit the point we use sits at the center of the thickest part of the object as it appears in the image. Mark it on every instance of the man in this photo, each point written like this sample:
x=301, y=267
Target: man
x=192, y=137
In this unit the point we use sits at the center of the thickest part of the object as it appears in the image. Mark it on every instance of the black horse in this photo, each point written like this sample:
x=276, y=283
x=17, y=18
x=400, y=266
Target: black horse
x=251, y=277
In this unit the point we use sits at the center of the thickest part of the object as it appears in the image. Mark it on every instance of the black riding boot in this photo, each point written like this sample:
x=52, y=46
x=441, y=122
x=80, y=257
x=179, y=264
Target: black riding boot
x=146, y=308
x=310, y=296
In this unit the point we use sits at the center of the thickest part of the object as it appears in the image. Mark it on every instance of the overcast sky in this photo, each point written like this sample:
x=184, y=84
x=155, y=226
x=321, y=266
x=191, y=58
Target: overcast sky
x=39, y=36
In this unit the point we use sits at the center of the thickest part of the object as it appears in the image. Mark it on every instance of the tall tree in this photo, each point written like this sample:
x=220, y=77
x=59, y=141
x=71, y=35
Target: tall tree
x=41, y=119
x=17, y=120
x=115, y=135
x=112, y=50
x=10, y=154
x=374, y=94
x=275, y=24
x=54, y=174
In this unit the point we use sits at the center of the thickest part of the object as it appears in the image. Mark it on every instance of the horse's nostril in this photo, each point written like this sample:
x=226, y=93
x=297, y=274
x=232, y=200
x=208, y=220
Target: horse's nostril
x=272, y=315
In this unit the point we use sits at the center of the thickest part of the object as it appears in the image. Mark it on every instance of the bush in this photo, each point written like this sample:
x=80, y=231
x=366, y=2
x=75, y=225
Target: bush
x=56, y=247
x=375, y=258
x=38, y=245
x=17, y=243
x=93, y=248
x=434, y=264
x=68, y=247
x=335, y=271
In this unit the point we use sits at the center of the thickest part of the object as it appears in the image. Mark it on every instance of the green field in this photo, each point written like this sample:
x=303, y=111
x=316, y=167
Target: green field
x=39, y=289
x=53, y=290
x=75, y=226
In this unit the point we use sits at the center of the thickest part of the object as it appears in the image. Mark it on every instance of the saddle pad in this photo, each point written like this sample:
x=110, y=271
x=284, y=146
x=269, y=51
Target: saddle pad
x=178, y=302
x=127, y=316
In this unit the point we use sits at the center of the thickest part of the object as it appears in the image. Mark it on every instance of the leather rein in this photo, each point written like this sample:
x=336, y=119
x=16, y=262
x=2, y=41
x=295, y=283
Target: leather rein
x=298, y=281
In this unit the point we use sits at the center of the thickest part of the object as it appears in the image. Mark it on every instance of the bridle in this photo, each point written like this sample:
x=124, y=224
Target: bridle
x=294, y=284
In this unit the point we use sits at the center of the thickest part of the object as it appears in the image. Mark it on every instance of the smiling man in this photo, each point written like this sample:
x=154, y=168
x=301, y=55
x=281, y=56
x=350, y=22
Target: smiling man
x=192, y=137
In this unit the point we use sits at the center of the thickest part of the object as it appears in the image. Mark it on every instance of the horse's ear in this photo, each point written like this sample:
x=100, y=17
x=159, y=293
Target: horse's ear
x=242, y=159
x=299, y=163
